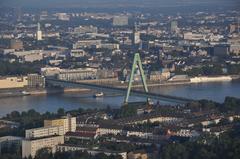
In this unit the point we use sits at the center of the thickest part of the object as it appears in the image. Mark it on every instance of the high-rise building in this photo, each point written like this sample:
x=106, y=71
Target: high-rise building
x=120, y=20
x=136, y=36
x=39, y=32
x=49, y=136
x=174, y=26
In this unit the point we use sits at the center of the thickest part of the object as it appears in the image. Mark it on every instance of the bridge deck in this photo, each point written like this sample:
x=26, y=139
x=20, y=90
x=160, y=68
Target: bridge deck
x=168, y=98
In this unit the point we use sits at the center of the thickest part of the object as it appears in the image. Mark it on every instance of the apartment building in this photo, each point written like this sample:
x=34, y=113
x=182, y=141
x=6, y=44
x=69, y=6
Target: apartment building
x=31, y=146
x=68, y=123
x=44, y=131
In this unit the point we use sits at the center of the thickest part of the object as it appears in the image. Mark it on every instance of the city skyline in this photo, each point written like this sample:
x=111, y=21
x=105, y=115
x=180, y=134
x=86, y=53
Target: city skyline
x=119, y=79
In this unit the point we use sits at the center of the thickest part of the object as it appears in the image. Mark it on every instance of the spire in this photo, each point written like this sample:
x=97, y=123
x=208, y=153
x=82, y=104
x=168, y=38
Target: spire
x=39, y=32
x=39, y=27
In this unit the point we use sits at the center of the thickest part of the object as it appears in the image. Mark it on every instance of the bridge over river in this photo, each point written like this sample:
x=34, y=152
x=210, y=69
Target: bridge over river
x=104, y=88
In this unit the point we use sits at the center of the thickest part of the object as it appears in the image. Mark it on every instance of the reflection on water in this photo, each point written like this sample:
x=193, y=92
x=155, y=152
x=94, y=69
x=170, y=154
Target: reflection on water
x=211, y=91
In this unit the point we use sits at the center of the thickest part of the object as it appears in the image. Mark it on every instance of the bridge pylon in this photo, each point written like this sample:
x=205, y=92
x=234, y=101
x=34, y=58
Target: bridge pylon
x=136, y=62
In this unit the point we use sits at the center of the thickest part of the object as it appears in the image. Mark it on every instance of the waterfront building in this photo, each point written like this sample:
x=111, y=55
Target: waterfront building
x=106, y=74
x=68, y=122
x=36, y=81
x=50, y=71
x=31, y=146
x=44, y=132
x=77, y=74
x=120, y=20
x=159, y=76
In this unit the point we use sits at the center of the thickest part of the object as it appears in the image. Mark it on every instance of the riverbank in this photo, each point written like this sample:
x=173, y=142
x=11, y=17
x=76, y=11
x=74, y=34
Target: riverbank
x=45, y=91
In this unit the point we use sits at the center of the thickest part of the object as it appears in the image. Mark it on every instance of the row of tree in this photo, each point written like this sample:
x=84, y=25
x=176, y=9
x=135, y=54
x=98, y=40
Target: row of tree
x=17, y=68
x=230, y=104
x=227, y=146
x=211, y=70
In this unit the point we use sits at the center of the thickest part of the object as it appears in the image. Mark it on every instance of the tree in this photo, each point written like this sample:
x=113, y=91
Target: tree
x=127, y=111
x=231, y=103
x=61, y=112
x=44, y=153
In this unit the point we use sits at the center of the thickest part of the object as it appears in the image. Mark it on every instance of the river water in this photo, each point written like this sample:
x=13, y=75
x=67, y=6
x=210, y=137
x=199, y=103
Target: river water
x=43, y=103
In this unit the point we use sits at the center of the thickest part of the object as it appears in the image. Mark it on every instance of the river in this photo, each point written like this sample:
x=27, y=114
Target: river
x=68, y=101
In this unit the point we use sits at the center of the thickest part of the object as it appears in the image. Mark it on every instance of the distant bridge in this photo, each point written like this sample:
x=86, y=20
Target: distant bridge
x=168, y=98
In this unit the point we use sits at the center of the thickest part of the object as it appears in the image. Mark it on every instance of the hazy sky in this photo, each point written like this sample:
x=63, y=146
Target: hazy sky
x=115, y=3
